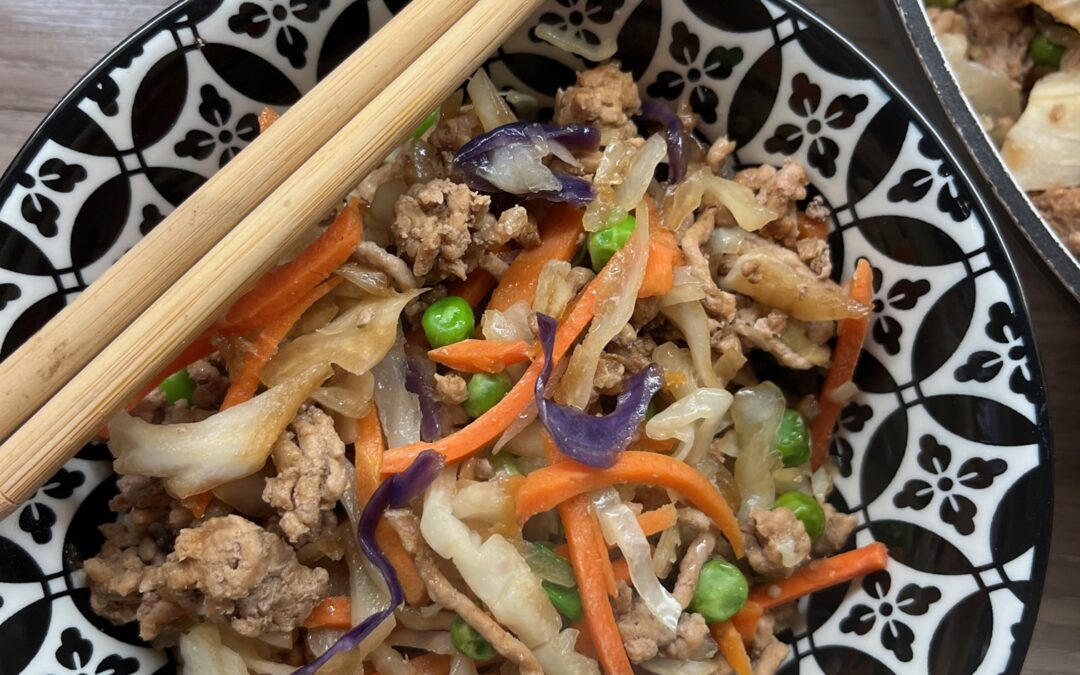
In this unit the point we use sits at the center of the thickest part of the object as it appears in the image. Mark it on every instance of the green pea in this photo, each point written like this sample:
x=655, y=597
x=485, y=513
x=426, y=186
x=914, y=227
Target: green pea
x=1046, y=52
x=428, y=122
x=604, y=243
x=485, y=390
x=721, y=591
x=566, y=600
x=178, y=386
x=806, y=508
x=470, y=643
x=448, y=321
x=504, y=462
x=793, y=438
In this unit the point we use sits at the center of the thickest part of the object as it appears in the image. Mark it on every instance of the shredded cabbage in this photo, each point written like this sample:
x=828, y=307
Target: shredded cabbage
x=795, y=290
x=629, y=185
x=388, y=661
x=1043, y=148
x=488, y=105
x=663, y=666
x=1065, y=11
x=621, y=528
x=346, y=394
x=736, y=198
x=574, y=44
x=678, y=367
x=553, y=289
x=431, y=617
x=399, y=409
x=756, y=412
x=199, y=456
x=499, y=576
x=992, y=94
x=355, y=348
x=201, y=651
x=694, y=420
x=690, y=319
x=615, y=299
x=437, y=642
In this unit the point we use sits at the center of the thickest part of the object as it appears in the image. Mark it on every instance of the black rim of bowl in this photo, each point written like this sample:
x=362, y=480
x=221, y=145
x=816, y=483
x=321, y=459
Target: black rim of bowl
x=1050, y=248
x=998, y=253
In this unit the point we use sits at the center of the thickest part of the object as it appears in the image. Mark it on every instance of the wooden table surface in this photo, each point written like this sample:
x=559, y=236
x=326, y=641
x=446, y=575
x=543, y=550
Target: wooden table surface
x=46, y=45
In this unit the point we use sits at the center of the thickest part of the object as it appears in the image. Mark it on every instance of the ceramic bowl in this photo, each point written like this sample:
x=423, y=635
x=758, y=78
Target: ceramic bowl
x=944, y=453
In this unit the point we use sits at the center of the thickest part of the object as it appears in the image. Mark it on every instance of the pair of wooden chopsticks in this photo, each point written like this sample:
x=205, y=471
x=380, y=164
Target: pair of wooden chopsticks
x=61, y=387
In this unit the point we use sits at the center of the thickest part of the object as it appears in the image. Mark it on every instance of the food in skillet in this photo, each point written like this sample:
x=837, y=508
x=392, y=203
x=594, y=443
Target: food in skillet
x=1018, y=62
x=541, y=397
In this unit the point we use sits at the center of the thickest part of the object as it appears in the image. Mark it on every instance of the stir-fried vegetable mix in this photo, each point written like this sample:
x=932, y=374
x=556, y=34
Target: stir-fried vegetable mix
x=534, y=401
x=1019, y=65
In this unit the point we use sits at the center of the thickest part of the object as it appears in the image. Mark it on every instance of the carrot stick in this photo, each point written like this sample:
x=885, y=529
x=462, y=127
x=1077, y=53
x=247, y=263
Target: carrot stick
x=731, y=646
x=482, y=356
x=197, y=504
x=664, y=256
x=486, y=428
x=658, y=520
x=244, y=385
x=850, y=334
x=431, y=664
x=820, y=574
x=267, y=117
x=281, y=287
x=584, y=642
x=746, y=620
x=587, y=556
x=474, y=288
x=621, y=569
x=560, y=234
x=332, y=612
x=549, y=486
x=370, y=446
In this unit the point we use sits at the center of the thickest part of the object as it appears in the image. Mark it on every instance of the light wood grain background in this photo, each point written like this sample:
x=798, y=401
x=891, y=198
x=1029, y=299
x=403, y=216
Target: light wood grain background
x=46, y=45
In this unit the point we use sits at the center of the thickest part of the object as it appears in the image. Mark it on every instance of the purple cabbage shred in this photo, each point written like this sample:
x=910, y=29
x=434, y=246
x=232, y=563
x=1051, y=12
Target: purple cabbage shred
x=475, y=156
x=674, y=135
x=589, y=439
x=394, y=492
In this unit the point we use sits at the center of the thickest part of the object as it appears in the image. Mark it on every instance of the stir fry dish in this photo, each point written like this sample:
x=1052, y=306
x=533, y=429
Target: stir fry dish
x=540, y=397
x=1018, y=62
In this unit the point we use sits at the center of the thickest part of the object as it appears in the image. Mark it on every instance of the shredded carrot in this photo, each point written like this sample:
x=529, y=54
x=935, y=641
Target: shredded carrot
x=549, y=486
x=658, y=519
x=587, y=558
x=332, y=612
x=198, y=504
x=584, y=642
x=746, y=620
x=267, y=117
x=282, y=286
x=812, y=228
x=431, y=664
x=664, y=256
x=560, y=235
x=246, y=382
x=850, y=334
x=482, y=356
x=621, y=568
x=820, y=574
x=474, y=288
x=484, y=429
x=370, y=447
x=731, y=646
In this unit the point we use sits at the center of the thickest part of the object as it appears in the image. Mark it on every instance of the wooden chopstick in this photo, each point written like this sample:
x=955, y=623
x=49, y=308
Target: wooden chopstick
x=67, y=343
x=74, y=414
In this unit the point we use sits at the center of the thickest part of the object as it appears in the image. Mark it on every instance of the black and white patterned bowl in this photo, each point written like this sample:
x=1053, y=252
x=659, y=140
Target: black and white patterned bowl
x=945, y=452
